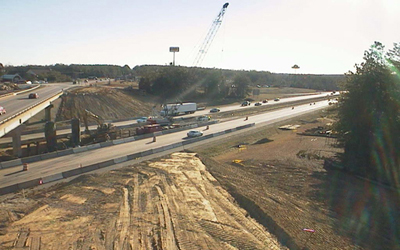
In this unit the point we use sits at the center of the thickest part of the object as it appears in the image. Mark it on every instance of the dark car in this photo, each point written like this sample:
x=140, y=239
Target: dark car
x=214, y=110
x=257, y=104
x=33, y=96
x=265, y=101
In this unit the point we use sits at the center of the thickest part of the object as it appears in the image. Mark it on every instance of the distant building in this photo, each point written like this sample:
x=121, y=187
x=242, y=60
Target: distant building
x=11, y=78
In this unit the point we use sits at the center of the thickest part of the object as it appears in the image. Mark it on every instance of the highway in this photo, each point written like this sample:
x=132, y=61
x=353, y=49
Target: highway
x=16, y=103
x=227, y=108
x=48, y=167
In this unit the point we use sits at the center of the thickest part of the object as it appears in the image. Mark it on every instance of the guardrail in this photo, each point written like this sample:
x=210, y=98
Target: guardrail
x=84, y=169
x=11, y=118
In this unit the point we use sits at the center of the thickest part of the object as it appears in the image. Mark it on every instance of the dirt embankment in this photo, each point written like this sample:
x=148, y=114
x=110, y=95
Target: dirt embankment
x=108, y=103
x=172, y=203
x=273, y=179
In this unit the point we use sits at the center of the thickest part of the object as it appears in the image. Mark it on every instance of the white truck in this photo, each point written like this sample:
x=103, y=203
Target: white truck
x=173, y=109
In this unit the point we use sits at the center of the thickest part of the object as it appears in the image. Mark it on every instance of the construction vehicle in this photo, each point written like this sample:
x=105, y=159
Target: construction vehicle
x=104, y=132
x=146, y=129
x=181, y=108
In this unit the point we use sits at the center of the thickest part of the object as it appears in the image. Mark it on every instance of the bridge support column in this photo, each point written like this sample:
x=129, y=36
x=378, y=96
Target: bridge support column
x=16, y=140
x=47, y=112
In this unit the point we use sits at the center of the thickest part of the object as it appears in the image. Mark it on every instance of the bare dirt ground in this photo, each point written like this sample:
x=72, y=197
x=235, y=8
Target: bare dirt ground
x=172, y=203
x=280, y=179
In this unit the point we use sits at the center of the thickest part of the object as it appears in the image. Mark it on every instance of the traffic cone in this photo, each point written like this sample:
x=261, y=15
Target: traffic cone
x=246, y=118
x=154, y=138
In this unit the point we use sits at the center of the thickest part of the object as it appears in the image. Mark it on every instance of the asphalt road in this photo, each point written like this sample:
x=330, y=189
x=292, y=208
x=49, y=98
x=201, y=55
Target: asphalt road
x=16, y=103
x=57, y=165
x=198, y=113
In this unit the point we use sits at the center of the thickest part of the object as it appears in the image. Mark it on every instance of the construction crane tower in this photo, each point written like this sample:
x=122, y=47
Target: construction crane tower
x=210, y=36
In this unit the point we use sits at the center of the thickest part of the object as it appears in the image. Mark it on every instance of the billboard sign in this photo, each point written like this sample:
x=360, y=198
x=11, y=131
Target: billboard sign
x=173, y=49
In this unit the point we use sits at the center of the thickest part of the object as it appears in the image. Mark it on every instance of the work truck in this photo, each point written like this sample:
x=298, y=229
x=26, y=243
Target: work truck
x=174, y=109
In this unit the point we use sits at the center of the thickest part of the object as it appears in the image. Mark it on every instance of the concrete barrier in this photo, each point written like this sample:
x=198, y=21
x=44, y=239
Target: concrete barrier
x=10, y=189
x=119, y=141
x=79, y=150
x=158, y=150
x=29, y=184
x=129, y=139
x=145, y=153
x=10, y=164
x=208, y=136
x=134, y=156
x=187, y=142
x=177, y=145
x=106, y=144
x=89, y=168
x=233, y=130
x=93, y=146
x=120, y=159
x=168, y=147
x=219, y=134
x=228, y=130
x=106, y=163
x=65, y=152
x=31, y=159
x=72, y=172
x=51, y=178
x=48, y=156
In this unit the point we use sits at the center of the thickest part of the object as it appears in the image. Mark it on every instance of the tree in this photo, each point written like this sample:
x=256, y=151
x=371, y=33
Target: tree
x=242, y=85
x=213, y=85
x=369, y=118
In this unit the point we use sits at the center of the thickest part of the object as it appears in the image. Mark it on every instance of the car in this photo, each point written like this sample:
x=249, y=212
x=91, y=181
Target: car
x=142, y=120
x=257, y=104
x=194, y=133
x=33, y=96
x=276, y=99
x=265, y=101
x=28, y=82
x=2, y=110
x=214, y=110
x=245, y=103
x=203, y=118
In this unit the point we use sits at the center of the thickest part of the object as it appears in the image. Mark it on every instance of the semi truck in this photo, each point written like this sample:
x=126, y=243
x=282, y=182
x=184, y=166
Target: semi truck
x=174, y=109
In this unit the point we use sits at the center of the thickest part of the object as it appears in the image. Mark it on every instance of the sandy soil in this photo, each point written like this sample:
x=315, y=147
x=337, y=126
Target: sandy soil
x=173, y=203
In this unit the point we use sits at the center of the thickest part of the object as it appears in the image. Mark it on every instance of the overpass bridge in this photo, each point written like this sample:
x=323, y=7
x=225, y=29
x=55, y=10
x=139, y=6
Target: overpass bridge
x=20, y=109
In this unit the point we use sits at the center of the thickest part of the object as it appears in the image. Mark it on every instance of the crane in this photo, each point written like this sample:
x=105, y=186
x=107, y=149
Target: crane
x=210, y=36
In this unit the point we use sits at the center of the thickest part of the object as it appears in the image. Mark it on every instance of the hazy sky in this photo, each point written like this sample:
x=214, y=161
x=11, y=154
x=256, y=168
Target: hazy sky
x=321, y=36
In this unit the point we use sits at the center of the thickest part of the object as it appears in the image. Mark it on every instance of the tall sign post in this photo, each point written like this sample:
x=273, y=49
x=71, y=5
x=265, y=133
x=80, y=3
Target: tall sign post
x=173, y=49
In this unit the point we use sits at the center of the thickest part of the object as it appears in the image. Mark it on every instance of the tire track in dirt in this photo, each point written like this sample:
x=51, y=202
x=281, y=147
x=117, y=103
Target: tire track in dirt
x=123, y=222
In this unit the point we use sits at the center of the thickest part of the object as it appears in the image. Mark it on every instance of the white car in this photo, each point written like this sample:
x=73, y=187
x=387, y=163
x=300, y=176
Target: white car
x=203, y=118
x=142, y=120
x=194, y=133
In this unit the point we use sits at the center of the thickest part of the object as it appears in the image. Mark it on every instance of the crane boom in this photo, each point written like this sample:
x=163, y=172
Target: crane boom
x=210, y=36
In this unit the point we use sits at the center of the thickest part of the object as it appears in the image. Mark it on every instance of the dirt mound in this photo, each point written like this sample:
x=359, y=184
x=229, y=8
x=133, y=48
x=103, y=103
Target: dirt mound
x=108, y=103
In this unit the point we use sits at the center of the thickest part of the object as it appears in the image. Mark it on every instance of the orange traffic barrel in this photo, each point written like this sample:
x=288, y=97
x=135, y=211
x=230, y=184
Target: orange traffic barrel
x=25, y=167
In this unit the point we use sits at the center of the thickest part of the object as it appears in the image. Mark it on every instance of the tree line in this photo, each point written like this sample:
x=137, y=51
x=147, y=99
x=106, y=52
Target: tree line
x=173, y=81
x=63, y=72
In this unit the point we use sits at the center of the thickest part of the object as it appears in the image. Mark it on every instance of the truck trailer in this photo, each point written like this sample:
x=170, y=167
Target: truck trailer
x=178, y=109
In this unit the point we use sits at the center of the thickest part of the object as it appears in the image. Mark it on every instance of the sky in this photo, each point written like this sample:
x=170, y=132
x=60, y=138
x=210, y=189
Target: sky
x=320, y=36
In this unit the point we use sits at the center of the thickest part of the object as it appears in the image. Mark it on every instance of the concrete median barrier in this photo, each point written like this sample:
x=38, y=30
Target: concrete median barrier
x=72, y=172
x=89, y=168
x=31, y=159
x=208, y=136
x=106, y=163
x=134, y=156
x=10, y=164
x=118, y=141
x=93, y=146
x=228, y=131
x=177, y=145
x=120, y=159
x=10, y=189
x=65, y=152
x=145, y=153
x=158, y=150
x=48, y=156
x=79, y=150
x=106, y=144
x=186, y=142
x=29, y=184
x=51, y=178
x=168, y=147
x=219, y=134
x=129, y=139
